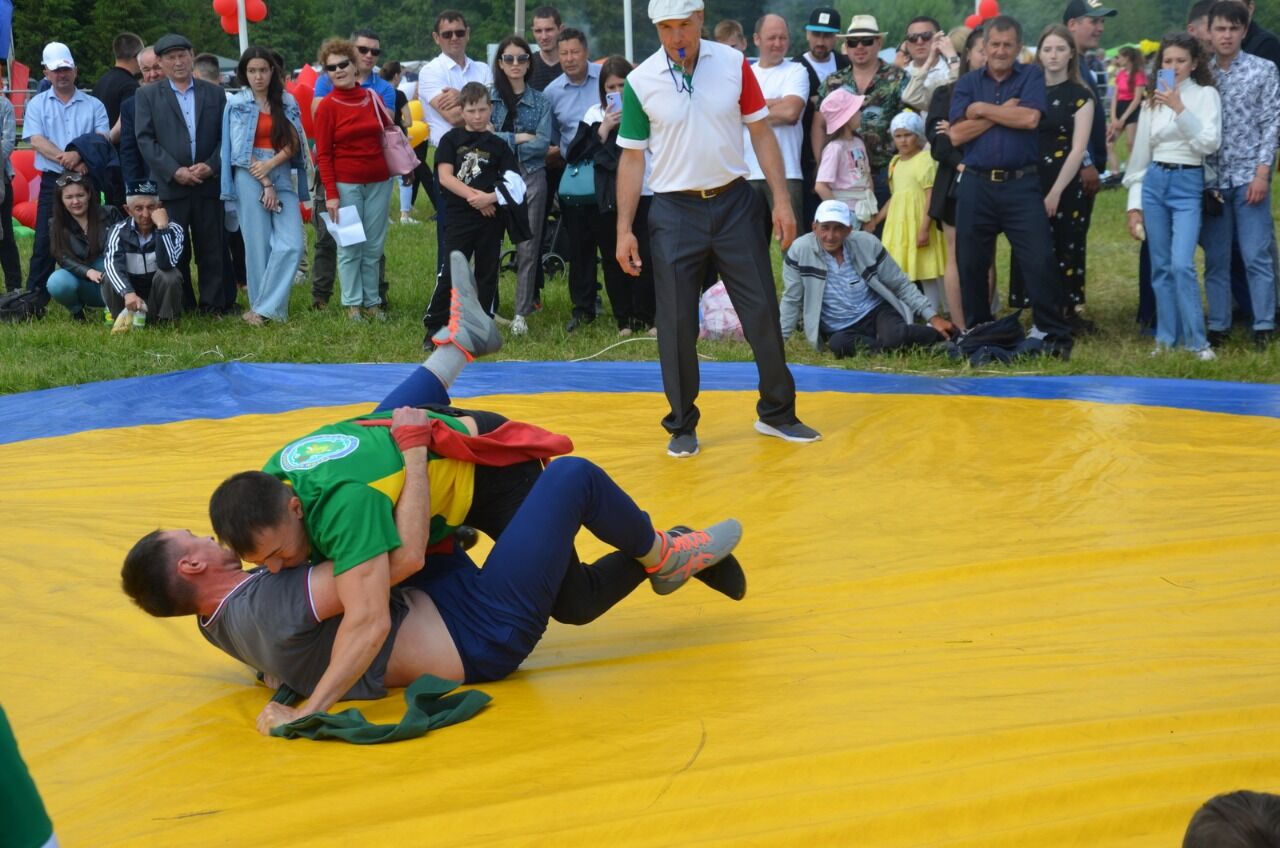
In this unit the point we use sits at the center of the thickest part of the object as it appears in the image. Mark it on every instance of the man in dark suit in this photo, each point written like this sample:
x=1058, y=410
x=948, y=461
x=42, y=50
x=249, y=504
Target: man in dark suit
x=178, y=125
x=134, y=169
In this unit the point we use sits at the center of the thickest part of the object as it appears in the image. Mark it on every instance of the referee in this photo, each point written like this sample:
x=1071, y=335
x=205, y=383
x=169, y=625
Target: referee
x=686, y=106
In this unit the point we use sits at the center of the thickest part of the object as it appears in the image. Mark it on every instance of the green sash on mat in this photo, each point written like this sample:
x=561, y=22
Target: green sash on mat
x=428, y=709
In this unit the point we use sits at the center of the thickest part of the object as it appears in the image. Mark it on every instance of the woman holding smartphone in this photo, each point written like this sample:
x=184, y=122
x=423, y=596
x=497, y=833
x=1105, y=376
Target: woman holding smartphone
x=522, y=118
x=631, y=297
x=261, y=150
x=1179, y=125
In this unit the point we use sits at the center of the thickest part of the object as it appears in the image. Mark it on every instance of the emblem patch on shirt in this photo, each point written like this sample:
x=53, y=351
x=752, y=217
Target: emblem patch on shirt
x=307, y=453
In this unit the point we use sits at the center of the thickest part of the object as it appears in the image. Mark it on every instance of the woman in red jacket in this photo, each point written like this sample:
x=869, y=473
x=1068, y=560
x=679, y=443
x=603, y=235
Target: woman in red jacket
x=348, y=129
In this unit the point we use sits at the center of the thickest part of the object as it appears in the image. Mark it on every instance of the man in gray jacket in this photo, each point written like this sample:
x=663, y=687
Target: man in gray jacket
x=850, y=293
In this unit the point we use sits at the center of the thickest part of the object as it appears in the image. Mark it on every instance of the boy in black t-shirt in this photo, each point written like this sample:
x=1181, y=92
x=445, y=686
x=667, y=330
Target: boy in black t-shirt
x=470, y=162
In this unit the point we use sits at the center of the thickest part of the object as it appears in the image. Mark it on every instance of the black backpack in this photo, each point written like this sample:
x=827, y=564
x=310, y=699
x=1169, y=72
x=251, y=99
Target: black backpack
x=22, y=305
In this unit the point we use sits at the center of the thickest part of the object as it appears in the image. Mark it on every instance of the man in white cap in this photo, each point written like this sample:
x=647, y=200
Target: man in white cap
x=849, y=292
x=686, y=104
x=53, y=119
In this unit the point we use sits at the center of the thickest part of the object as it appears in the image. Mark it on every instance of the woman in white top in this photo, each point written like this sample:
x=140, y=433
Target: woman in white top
x=1178, y=127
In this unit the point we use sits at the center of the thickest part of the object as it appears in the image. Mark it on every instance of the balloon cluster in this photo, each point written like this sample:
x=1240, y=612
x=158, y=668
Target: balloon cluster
x=418, y=131
x=26, y=186
x=254, y=11
x=987, y=9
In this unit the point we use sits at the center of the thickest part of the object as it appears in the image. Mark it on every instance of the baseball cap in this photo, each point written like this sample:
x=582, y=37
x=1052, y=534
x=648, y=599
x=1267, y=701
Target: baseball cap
x=1087, y=9
x=824, y=19
x=57, y=55
x=834, y=212
x=672, y=10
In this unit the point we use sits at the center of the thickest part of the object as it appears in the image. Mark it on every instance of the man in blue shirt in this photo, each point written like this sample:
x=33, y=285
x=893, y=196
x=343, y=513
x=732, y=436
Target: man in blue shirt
x=994, y=115
x=53, y=119
x=572, y=93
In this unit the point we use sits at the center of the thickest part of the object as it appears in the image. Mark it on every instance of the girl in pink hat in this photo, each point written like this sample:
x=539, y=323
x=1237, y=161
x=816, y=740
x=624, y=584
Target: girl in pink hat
x=845, y=171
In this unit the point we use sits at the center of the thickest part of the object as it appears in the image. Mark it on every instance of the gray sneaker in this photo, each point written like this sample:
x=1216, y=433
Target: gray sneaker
x=682, y=445
x=796, y=432
x=470, y=328
x=685, y=555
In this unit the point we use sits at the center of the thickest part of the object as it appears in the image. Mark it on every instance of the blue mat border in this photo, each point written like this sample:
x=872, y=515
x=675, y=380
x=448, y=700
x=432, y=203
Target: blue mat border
x=231, y=389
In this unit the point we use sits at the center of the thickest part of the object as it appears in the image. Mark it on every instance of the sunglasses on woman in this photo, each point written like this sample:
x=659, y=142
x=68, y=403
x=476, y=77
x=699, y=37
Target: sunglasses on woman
x=345, y=63
x=860, y=42
x=67, y=179
x=515, y=59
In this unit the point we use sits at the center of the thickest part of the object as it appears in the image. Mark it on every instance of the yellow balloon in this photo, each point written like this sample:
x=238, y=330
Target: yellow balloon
x=417, y=132
x=1148, y=46
x=415, y=109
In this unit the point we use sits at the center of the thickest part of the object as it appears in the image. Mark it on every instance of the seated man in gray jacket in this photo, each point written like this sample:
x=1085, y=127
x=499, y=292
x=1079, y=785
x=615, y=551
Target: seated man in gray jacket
x=849, y=291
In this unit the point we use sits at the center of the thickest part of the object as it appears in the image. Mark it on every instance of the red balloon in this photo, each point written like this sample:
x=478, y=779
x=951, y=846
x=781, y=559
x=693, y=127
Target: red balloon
x=988, y=9
x=24, y=162
x=25, y=214
x=224, y=8
x=308, y=76
x=230, y=25
x=973, y=21
x=304, y=94
x=19, y=188
x=255, y=10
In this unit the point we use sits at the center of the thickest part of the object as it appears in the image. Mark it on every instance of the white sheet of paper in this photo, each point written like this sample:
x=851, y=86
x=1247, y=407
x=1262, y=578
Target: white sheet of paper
x=349, y=230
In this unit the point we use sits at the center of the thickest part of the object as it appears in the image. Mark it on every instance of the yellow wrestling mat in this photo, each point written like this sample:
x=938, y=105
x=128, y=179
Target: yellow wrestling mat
x=971, y=621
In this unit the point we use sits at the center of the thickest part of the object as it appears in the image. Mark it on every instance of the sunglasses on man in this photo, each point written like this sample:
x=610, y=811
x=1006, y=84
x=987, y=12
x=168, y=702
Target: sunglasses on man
x=369, y=51
x=918, y=37
x=869, y=41
x=345, y=63
x=512, y=59
x=450, y=34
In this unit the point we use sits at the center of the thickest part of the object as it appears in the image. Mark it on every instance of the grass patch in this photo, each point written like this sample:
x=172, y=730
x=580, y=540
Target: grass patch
x=58, y=351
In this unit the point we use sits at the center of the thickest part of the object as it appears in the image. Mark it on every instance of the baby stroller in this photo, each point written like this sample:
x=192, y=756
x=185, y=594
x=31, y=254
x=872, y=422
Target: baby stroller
x=553, y=248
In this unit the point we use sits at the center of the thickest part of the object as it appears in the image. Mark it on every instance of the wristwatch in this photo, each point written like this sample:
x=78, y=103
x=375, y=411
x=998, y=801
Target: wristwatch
x=953, y=60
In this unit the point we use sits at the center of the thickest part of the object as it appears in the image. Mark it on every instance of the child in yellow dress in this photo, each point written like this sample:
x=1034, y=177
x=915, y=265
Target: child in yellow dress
x=909, y=233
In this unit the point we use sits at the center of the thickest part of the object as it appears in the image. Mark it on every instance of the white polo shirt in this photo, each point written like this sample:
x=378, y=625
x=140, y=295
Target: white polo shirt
x=691, y=125
x=441, y=73
x=786, y=79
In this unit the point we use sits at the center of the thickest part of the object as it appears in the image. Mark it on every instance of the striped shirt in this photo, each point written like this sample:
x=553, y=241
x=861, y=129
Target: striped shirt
x=132, y=258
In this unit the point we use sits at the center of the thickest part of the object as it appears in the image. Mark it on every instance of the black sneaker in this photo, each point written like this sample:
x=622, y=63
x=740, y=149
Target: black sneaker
x=1218, y=338
x=1262, y=339
x=726, y=576
x=683, y=445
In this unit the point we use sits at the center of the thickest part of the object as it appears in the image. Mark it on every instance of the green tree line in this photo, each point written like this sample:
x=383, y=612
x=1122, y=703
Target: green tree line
x=296, y=27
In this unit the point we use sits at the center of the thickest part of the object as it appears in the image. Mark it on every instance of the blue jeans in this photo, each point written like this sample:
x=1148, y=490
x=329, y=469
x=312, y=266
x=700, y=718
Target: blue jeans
x=273, y=241
x=1250, y=229
x=1171, y=207
x=75, y=292
x=358, y=264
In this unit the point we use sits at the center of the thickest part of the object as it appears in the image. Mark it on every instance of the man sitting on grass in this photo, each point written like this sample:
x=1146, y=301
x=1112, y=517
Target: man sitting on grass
x=142, y=257
x=849, y=291
x=360, y=496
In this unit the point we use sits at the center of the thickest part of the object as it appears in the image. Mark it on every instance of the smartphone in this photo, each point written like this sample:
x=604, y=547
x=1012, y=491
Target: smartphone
x=1164, y=79
x=614, y=101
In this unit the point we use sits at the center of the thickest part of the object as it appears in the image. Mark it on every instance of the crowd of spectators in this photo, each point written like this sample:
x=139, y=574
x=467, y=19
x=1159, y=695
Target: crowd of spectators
x=934, y=141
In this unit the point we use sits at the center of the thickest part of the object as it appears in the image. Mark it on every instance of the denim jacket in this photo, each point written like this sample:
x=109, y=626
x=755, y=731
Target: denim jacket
x=239, y=123
x=533, y=115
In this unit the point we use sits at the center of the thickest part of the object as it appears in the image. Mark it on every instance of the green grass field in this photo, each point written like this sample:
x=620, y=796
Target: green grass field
x=58, y=351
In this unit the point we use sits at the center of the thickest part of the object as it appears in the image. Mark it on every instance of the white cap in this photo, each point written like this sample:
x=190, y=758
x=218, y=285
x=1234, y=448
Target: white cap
x=673, y=10
x=833, y=211
x=57, y=55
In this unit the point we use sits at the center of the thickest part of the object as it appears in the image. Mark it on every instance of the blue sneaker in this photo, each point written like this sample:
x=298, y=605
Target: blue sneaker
x=685, y=555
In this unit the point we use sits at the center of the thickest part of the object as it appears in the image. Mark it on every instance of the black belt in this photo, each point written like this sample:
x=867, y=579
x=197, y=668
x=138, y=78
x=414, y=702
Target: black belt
x=1169, y=166
x=708, y=193
x=998, y=176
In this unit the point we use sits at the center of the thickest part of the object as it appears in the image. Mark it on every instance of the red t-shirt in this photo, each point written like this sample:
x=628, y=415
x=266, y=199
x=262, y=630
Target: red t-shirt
x=349, y=139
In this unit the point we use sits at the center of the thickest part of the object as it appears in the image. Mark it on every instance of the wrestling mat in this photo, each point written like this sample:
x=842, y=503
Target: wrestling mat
x=1023, y=612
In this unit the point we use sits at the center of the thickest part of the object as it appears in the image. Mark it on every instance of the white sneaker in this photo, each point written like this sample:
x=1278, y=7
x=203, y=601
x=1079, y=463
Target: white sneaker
x=409, y=219
x=518, y=326
x=1206, y=354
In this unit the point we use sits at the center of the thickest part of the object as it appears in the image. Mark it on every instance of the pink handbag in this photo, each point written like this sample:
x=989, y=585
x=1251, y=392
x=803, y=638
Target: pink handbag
x=396, y=149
